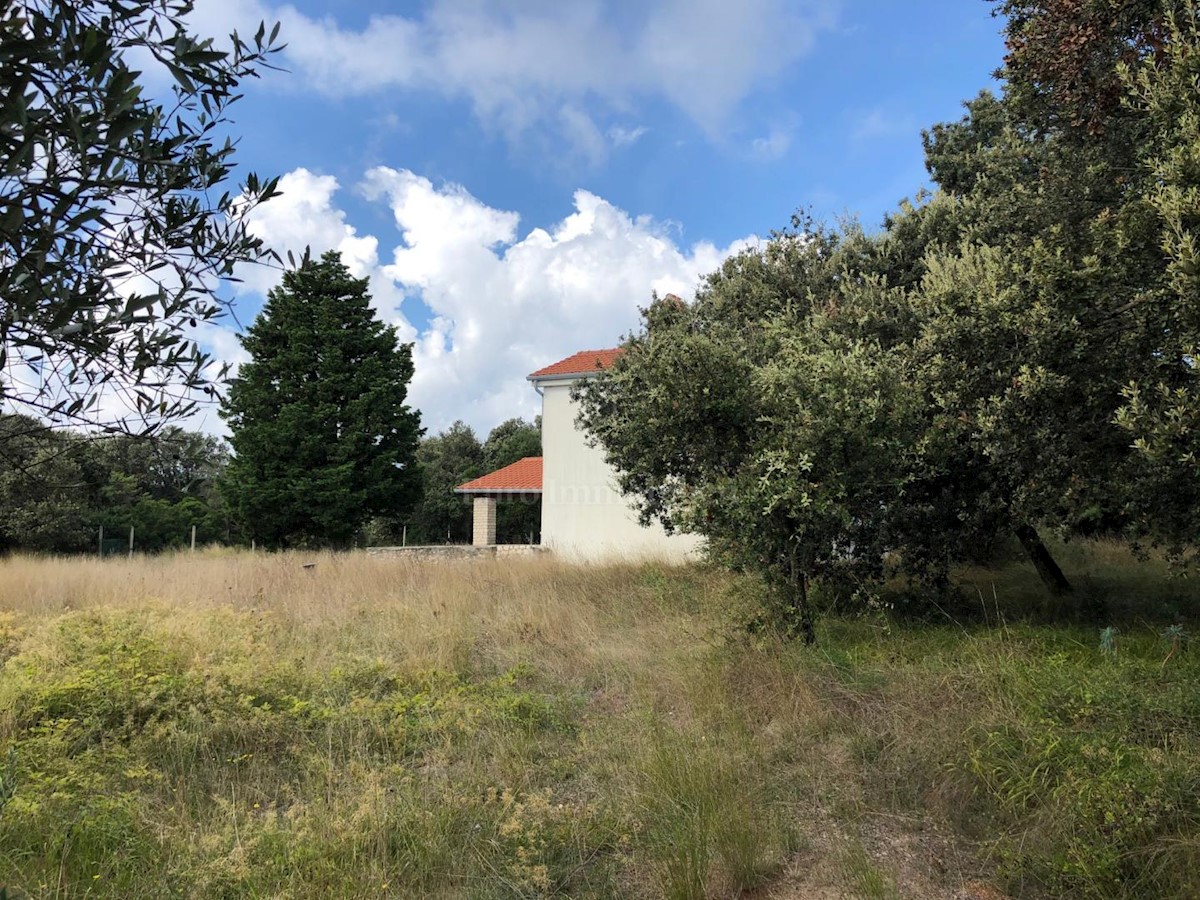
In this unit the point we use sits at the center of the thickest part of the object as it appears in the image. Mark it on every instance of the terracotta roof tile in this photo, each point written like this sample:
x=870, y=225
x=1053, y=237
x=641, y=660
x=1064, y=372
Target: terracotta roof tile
x=585, y=362
x=523, y=476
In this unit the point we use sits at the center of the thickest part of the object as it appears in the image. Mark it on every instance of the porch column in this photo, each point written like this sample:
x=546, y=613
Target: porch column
x=483, y=519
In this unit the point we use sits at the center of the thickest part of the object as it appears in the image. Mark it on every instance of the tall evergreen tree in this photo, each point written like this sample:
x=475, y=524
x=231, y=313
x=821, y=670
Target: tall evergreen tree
x=322, y=437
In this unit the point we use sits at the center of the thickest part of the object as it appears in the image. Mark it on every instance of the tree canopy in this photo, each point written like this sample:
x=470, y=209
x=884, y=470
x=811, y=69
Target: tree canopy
x=59, y=488
x=1013, y=352
x=117, y=221
x=446, y=460
x=323, y=439
x=518, y=521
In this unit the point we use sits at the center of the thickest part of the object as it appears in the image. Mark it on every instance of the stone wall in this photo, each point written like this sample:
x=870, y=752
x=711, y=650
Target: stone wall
x=461, y=551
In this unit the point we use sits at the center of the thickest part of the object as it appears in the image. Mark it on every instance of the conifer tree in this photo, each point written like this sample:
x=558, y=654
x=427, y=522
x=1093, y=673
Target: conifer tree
x=322, y=437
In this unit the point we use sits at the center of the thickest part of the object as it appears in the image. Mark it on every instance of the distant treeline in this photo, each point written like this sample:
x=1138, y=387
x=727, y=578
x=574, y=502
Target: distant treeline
x=59, y=488
x=456, y=455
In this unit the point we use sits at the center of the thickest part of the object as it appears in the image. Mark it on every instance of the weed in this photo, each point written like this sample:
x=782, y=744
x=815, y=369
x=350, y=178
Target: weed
x=708, y=818
x=1177, y=638
x=1108, y=640
x=8, y=779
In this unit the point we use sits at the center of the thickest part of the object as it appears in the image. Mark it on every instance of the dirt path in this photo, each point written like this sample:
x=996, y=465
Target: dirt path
x=890, y=858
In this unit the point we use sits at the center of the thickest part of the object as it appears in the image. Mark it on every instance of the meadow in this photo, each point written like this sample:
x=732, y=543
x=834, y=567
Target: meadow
x=226, y=724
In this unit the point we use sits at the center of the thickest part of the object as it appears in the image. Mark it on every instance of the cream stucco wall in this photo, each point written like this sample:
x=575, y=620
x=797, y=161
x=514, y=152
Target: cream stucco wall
x=583, y=513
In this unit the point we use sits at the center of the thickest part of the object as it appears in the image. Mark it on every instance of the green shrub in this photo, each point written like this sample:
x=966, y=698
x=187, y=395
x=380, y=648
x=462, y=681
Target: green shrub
x=133, y=761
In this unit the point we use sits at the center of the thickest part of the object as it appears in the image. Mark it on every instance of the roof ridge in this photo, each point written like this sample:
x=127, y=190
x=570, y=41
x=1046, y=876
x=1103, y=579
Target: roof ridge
x=582, y=362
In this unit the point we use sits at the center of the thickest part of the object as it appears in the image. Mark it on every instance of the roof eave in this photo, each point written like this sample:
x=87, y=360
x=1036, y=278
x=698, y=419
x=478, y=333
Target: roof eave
x=488, y=491
x=562, y=376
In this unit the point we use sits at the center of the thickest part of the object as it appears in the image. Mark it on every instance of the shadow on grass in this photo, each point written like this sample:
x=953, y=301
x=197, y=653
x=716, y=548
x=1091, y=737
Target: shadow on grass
x=1112, y=587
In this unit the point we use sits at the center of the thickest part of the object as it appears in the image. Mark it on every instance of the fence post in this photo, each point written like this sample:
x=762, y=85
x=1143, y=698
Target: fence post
x=193, y=538
x=100, y=543
x=131, y=542
x=404, y=536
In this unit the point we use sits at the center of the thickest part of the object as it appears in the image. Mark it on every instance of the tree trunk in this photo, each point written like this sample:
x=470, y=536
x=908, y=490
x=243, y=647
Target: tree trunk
x=1052, y=576
x=804, y=608
x=792, y=592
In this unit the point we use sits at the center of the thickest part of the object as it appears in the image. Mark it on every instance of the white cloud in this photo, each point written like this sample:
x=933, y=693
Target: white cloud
x=583, y=135
x=773, y=146
x=499, y=305
x=524, y=64
x=622, y=136
x=304, y=216
x=706, y=55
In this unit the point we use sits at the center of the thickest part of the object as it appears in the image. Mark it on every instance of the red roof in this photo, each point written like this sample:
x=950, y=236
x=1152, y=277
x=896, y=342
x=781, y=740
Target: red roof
x=585, y=362
x=522, y=477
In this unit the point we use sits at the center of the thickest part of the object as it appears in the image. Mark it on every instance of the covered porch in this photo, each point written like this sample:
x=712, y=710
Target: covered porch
x=521, y=480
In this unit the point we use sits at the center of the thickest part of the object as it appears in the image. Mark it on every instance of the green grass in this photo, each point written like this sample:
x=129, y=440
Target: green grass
x=532, y=730
x=709, y=813
x=1075, y=772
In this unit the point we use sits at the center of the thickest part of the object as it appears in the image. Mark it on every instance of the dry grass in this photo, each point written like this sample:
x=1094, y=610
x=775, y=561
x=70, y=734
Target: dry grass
x=420, y=615
x=495, y=714
x=301, y=725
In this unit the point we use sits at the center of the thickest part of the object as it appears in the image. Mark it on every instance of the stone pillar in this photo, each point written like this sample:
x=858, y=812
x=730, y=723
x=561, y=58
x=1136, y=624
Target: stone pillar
x=483, y=533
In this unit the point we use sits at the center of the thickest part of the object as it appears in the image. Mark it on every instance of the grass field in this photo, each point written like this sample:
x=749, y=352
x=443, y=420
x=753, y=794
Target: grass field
x=236, y=725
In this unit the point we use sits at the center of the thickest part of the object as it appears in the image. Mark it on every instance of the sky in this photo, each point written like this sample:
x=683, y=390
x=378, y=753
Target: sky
x=517, y=177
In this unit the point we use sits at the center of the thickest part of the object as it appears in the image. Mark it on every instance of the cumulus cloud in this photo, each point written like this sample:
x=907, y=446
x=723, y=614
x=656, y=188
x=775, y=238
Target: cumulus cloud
x=559, y=66
x=484, y=305
x=303, y=215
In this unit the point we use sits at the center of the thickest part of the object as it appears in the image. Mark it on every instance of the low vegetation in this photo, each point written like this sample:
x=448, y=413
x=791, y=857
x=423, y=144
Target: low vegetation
x=240, y=725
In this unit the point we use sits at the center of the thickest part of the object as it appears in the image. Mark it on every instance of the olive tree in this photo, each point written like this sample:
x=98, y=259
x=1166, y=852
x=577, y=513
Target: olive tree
x=118, y=222
x=774, y=416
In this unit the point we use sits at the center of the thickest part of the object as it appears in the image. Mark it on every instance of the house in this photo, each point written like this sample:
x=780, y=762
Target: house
x=584, y=515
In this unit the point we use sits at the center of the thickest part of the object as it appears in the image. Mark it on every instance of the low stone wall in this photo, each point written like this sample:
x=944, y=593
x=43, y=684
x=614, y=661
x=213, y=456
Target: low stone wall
x=460, y=551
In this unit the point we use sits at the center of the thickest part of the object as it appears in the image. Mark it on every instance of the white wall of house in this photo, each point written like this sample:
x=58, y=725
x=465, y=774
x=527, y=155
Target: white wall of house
x=584, y=515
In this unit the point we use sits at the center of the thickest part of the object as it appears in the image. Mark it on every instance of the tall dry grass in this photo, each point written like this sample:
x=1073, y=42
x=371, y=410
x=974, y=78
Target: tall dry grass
x=420, y=614
x=302, y=725
x=414, y=728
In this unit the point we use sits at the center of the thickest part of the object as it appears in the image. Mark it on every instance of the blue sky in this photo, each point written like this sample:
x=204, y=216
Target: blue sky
x=516, y=176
